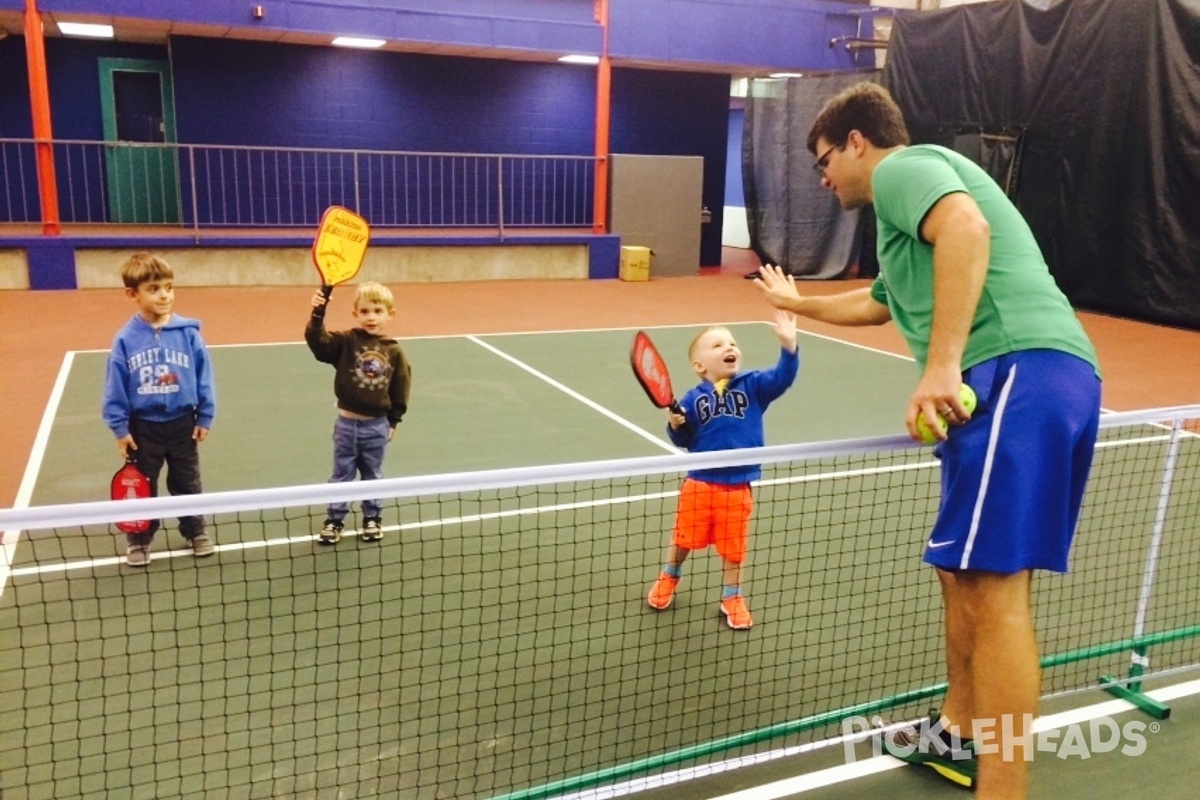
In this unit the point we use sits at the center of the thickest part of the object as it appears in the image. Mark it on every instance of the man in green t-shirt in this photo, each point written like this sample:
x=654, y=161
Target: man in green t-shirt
x=965, y=282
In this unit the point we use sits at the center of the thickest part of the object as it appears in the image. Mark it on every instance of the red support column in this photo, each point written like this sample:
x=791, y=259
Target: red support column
x=603, y=103
x=39, y=98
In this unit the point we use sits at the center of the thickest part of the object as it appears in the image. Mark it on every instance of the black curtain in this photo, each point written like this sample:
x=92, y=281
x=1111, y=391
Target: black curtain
x=1103, y=100
x=793, y=222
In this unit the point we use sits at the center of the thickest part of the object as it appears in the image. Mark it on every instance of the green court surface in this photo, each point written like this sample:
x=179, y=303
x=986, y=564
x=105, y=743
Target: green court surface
x=486, y=402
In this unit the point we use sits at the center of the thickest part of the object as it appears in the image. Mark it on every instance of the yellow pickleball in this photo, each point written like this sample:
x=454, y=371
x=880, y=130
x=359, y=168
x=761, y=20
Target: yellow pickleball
x=966, y=396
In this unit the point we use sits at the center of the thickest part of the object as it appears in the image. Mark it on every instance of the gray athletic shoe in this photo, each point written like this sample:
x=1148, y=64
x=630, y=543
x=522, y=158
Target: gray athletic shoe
x=201, y=545
x=137, y=555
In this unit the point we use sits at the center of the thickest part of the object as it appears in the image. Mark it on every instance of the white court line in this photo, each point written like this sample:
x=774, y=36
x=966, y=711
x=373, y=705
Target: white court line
x=868, y=348
x=576, y=395
x=702, y=325
x=11, y=537
x=89, y=564
x=116, y=561
x=496, y=334
x=800, y=784
x=34, y=466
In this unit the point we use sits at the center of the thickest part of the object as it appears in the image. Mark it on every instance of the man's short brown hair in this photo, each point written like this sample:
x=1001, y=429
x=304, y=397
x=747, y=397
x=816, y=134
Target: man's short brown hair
x=142, y=267
x=864, y=107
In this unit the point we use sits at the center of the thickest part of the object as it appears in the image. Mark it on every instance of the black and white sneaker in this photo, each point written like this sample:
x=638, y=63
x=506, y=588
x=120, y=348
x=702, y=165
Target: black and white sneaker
x=372, y=529
x=331, y=532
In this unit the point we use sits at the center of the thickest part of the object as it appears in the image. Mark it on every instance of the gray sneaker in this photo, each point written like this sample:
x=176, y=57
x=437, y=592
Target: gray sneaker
x=372, y=530
x=201, y=545
x=137, y=555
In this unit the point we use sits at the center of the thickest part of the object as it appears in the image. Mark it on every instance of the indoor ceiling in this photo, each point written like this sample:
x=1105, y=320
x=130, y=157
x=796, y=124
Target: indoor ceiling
x=154, y=31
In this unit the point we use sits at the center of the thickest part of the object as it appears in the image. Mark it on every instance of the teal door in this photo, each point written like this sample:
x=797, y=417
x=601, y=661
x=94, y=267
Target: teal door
x=140, y=159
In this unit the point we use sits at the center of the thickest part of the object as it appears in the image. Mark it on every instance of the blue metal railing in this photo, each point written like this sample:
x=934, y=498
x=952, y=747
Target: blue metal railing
x=194, y=186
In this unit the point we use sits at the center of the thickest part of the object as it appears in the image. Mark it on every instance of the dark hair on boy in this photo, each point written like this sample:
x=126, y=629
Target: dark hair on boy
x=864, y=107
x=142, y=267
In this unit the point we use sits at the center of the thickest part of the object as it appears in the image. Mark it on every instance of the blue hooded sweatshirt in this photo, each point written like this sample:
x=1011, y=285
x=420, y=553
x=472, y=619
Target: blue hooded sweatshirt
x=158, y=374
x=732, y=417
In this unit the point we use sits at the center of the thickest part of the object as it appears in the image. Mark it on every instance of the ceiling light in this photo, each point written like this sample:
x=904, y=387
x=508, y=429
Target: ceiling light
x=787, y=75
x=580, y=59
x=354, y=41
x=85, y=29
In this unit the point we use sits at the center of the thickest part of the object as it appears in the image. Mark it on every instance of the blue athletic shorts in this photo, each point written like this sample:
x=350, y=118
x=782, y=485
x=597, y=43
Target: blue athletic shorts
x=1013, y=477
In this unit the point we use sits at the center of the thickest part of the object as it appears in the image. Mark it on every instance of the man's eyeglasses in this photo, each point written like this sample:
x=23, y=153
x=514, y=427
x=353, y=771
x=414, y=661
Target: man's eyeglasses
x=823, y=161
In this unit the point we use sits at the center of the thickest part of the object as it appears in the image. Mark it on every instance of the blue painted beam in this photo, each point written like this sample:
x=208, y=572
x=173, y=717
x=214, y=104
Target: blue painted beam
x=741, y=34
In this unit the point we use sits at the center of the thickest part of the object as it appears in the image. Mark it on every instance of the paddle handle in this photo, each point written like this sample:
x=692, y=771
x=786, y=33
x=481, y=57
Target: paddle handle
x=318, y=312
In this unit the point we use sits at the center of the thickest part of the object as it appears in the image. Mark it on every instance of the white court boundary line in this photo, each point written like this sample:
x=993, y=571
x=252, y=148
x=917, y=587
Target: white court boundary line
x=88, y=564
x=33, y=466
x=576, y=396
x=548, y=332
x=10, y=538
x=801, y=784
x=929, y=463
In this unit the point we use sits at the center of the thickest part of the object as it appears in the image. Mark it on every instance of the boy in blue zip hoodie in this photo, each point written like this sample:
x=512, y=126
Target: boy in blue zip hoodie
x=725, y=412
x=158, y=395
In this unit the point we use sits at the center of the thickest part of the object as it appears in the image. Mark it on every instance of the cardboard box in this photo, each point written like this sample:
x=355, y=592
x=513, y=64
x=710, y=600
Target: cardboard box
x=635, y=263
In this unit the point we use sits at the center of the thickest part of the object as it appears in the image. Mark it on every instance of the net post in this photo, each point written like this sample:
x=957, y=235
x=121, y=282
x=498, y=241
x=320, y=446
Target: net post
x=1131, y=690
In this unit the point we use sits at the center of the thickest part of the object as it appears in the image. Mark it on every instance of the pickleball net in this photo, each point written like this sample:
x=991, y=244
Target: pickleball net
x=497, y=643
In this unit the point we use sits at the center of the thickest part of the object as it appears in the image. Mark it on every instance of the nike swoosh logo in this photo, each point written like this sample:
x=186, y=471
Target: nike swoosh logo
x=935, y=545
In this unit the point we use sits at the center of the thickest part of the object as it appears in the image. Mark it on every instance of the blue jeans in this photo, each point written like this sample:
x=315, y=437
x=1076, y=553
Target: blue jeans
x=358, y=448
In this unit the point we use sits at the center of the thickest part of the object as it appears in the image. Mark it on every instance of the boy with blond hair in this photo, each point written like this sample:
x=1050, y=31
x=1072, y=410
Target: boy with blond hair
x=371, y=383
x=724, y=412
x=159, y=399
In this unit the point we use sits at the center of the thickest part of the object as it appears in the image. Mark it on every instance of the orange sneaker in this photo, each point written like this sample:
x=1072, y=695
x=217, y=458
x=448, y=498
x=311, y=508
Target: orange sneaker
x=663, y=591
x=736, y=613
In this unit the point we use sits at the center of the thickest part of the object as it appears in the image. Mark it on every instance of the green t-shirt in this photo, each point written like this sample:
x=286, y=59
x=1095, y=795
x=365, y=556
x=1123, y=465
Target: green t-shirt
x=1021, y=307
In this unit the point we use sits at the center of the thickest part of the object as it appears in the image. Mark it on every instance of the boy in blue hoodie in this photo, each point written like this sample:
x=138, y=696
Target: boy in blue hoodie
x=725, y=412
x=158, y=395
